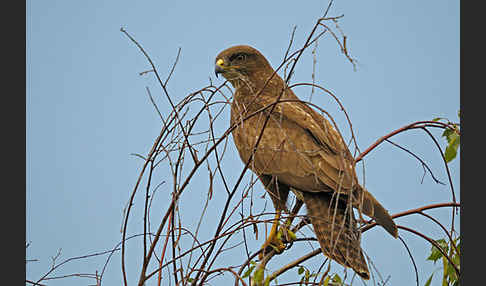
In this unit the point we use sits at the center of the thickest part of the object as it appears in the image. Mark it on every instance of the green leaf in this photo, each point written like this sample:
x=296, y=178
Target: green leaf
x=443, y=244
x=447, y=132
x=453, y=139
x=456, y=259
x=449, y=276
x=437, y=119
x=450, y=153
x=326, y=281
x=435, y=252
x=429, y=280
x=190, y=280
x=451, y=150
x=300, y=270
x=446, y=267
x=453, y=136
x=248, y=272
x=451, y=272
x=292, y=235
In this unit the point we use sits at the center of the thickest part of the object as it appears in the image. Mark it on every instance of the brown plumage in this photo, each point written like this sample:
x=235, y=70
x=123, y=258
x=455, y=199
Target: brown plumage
x=299, y=151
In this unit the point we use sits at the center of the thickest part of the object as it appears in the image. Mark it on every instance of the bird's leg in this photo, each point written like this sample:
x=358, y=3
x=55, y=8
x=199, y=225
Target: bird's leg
x=285, y=229
x=274, y=240
x=278, y=193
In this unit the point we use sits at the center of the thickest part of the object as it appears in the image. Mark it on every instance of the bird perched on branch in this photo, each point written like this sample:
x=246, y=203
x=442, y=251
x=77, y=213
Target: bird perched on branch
x=291, y=147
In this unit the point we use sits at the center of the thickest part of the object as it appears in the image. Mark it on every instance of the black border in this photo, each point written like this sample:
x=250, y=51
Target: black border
x=13, y=138
x=472, y=77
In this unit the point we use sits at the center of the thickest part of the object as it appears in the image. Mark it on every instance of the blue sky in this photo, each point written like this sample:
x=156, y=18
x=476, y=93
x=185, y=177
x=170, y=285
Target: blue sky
x=88, y=110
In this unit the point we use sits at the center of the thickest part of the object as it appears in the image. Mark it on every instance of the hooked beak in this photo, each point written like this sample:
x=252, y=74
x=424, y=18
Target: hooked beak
x=219, y=67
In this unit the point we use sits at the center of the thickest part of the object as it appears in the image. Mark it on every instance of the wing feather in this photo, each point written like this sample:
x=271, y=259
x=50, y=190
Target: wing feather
x=334, y=161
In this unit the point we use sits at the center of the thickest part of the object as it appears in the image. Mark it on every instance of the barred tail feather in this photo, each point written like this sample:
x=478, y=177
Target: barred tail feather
x=336, y=231
x=372, y=208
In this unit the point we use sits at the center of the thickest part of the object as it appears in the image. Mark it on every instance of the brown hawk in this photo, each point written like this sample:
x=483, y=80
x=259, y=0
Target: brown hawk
x=299, y=150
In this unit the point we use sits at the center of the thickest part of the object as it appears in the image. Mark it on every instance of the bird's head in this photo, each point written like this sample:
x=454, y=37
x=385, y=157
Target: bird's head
x=241, y=62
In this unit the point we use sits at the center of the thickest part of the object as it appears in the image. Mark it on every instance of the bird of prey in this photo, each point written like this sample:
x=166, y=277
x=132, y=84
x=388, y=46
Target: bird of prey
x=299, y=151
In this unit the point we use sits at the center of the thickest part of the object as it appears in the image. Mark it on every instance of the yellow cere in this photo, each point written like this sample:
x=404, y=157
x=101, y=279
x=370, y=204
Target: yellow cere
x=220, y=62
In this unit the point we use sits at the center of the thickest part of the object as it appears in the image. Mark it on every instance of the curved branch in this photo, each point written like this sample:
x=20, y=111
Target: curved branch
x=412, y=211
x=418, y=158
x=366, y=228
x=418, y=124
x=237, y=276
x=431, y=241
x=443, y=228
x=413, y=260
x=291, y=265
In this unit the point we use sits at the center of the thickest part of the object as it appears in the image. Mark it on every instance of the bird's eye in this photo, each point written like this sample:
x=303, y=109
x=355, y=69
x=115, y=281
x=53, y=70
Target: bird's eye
x=238, y=57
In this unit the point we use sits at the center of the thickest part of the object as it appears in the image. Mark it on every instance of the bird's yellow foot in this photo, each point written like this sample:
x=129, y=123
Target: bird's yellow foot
x=272, y=243
x=276, y=238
